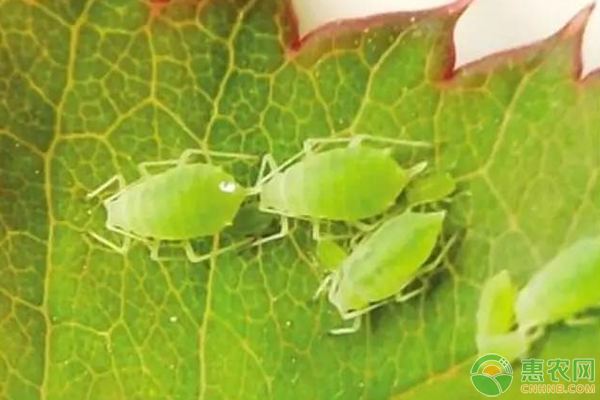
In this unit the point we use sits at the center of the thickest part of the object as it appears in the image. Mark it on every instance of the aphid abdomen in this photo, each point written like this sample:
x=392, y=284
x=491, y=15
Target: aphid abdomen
x=567, y=285
x=342, y=184
x=182, y=203
x=385, y=262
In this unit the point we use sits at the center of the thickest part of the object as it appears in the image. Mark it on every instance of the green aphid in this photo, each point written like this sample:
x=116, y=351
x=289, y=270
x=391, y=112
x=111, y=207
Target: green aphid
x=568, y=285
x=347, y=184
x=496, y=312
x=496, y=319
x=184, y=202
x=382, y=266
x=330, y=254
x=431, y=188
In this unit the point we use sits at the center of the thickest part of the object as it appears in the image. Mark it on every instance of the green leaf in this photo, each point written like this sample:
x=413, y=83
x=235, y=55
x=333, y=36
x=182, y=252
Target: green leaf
x=92, y=88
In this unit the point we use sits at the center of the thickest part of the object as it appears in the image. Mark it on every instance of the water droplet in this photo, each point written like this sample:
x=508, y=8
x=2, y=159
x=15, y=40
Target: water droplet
x=173, y=318
x=361, y=384
x=17, y=144
x=293, y=360
x=227, y=187
x=172, y=366
x=288, y=323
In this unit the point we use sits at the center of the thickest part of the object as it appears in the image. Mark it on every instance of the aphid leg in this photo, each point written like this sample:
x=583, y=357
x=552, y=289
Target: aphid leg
x=267, y=162
x=123, y=248
x=356, y=322
x=316, y=231
x=189, y=153
x=154, y=247
x=324, y=286
x=365, y=227
x=117, y=178
x=356, y=317
x=402, y=297
x=285, y=229
x=355, y=240
x=317, y=236
x=194, y=257
x=427, y=268
x=143, y=167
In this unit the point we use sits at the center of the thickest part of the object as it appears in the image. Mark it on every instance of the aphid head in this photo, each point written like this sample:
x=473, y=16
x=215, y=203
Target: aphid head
x=116, y=213
x=346, y=301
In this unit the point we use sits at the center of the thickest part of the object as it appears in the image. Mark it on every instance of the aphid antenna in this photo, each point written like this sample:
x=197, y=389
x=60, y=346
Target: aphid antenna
x=324, y=286
x=108, y=183
x=391, y=141
x=269, y=161
x=283, y=232
x=349, y=329
x=317, y=236
x=429, y=267
x=189, y=153
x=121, y=249
x=402, y=297
x=195, y=257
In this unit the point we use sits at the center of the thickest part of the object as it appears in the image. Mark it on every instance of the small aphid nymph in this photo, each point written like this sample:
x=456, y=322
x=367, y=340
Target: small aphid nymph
x=431, y=188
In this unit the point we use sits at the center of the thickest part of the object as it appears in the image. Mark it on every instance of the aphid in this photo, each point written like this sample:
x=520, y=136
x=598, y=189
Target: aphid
x=383, y=265
x=347, y=184
x=330, y=254
x=186, y=201
x=569, y=284
x=430, y=188
x=496, y=319
x=496, y=312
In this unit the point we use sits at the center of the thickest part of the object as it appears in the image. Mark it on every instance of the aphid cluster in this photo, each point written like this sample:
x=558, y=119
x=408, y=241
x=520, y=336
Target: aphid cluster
x=354, y=181
x=509, y=321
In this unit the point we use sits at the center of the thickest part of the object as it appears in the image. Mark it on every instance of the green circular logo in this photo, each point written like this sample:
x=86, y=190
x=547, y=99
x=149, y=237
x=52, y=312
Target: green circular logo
x=491, y=375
